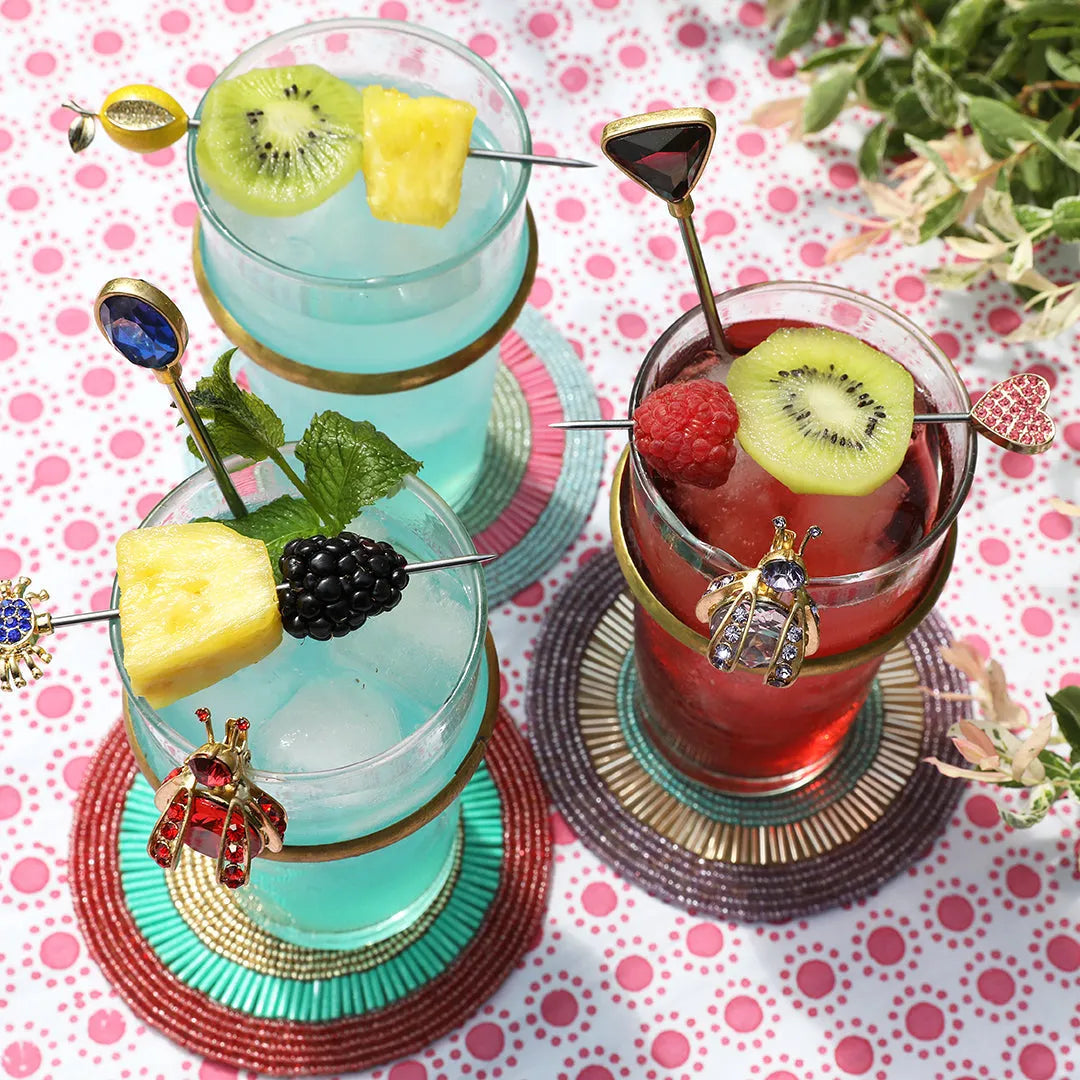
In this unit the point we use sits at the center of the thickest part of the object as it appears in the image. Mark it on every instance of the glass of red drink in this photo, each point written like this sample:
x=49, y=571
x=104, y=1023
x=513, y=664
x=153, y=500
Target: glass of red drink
x=875, y=572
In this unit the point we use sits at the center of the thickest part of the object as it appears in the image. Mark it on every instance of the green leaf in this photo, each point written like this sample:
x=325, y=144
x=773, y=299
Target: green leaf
x=1008, y=59
x=238, y=421
x=941, y=215
x=276, y=523
x=348, y=464
x=909, y=115
x=799, y=26
x=872, y=151
x=1039, y=802
x=827, y=97
x=1054, y=33
x=1006, y=124
x=1045, y=11
x=1066, y=706
x=937, y=92
x=832, y=55
x=1032, y=217
x=964, y=22
x=1062, y=66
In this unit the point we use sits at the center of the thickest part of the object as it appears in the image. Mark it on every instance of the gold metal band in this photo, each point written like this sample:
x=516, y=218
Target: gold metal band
x=814, y=665
x=381, y=382
x=361, y=845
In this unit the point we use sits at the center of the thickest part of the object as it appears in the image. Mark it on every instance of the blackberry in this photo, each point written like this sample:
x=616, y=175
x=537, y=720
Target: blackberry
x=336, y=584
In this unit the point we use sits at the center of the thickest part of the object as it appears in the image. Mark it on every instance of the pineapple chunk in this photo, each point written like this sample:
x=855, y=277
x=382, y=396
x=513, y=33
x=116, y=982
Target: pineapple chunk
x=414, y=155
x=197, y=603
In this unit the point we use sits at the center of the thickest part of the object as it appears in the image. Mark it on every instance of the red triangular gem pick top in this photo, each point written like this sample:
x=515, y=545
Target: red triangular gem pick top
x=666, y=160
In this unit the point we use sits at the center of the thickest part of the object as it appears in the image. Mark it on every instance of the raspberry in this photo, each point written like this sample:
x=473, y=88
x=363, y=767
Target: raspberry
x=337, y=584
x=685, y=431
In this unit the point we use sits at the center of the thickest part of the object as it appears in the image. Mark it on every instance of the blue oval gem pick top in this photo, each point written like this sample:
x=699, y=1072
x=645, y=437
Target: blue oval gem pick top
x=138, y=331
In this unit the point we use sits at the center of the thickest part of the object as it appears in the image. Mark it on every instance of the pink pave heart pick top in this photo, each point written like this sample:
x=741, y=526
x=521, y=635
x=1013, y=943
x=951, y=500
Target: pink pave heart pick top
x=1011, y=414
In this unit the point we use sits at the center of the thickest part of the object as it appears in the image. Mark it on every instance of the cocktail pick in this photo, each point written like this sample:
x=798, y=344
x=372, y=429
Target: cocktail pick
x=1010, y=414
x=144, y=119
x=665, y=152
x=211, y=805
x=146, y=328
x=21, y=626
x=764, y=618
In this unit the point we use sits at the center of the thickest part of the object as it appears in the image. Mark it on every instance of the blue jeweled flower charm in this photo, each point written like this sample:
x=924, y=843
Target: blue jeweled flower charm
x=764, y=618
x=20, y=628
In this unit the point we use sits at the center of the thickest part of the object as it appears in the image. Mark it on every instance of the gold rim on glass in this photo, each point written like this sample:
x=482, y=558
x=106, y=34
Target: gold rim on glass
x=814, y=665
x=361, y=845
x=381, y=382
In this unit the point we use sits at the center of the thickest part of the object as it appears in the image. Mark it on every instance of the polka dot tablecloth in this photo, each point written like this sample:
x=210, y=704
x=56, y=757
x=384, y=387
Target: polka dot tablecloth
x=968, y=966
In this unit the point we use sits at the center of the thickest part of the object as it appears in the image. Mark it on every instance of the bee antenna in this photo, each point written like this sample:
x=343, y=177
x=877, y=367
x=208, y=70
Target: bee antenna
x=811, y=534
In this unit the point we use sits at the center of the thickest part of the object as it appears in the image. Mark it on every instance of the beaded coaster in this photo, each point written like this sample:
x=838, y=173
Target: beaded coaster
x=536, y=488
x=872, y=813
x=190, y=963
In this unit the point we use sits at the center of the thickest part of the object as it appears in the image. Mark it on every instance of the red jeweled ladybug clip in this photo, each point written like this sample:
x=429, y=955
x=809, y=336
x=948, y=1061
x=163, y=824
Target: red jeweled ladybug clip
x=210, y=804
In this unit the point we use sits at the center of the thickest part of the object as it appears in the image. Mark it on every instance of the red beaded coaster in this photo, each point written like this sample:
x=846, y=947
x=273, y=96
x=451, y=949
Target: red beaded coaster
x=366, y=1037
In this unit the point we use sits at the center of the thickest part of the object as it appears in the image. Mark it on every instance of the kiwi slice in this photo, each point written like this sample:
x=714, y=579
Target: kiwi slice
x=278, y=141
x=822, y=411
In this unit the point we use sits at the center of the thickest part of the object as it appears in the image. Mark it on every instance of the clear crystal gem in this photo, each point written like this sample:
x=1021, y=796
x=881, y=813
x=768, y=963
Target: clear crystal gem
x=739, y=615
x=783, y=575
x=788, y=652
x=763, y=635
x=732, y=632
x=783, y=672
x=794, y=633
x=721, y=655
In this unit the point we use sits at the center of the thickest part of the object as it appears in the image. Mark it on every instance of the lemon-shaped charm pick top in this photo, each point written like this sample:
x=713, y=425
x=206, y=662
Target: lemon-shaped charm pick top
x=137, y=117
x=143, y=118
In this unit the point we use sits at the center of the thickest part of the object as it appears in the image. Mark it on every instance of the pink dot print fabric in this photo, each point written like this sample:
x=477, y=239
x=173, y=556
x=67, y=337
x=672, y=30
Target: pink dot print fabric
x=967, y=967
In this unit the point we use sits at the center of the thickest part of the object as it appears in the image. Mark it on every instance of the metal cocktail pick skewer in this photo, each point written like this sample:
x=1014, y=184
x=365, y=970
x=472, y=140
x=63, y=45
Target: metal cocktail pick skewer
x=81, y=134
x=58, y=621
x=665, y=152
x=146, y=328
x=628, y=425
x=1010, y=414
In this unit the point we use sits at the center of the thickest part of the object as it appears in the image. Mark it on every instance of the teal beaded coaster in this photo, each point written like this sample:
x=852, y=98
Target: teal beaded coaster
x=188, y=961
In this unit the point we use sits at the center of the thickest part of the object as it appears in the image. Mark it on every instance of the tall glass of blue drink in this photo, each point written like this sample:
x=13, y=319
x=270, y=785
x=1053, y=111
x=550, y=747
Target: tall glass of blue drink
x=393, y=323
x=372, y=733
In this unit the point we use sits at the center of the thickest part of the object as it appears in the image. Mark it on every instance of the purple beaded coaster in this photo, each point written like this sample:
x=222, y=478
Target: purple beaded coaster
x=875, y=811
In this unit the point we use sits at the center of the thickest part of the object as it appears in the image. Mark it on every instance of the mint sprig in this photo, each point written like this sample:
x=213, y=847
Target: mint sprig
x=348, y=464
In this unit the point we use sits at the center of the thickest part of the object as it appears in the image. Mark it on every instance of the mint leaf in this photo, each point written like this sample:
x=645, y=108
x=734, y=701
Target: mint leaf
x=349, y=464
x=238, y=421
x=1066, y=706
x=276, y=523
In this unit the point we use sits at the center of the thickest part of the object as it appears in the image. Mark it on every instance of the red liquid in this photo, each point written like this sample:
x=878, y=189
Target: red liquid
x=717, y=726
